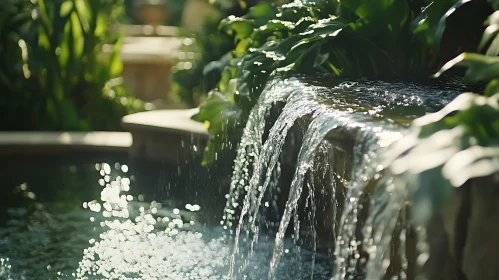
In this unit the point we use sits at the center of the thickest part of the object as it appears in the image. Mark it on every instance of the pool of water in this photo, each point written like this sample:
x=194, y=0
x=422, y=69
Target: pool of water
x=109, y=218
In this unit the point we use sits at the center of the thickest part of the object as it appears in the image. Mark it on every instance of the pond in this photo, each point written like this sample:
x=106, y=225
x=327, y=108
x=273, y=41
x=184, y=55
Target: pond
x=98, y=217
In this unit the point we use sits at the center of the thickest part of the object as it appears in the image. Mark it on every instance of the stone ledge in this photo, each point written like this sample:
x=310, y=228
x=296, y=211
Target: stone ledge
x=168, y=121
x=166, y=135
x=49, y=142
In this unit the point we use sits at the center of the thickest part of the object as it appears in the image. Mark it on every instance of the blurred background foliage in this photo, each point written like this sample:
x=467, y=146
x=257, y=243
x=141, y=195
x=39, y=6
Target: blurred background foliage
x=196, y=69
x=53, y=72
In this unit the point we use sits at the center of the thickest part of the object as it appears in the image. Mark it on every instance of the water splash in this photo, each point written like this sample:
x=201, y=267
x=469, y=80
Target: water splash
x=374, y=207
x=319, y=127
x=300, y=103
x=250, y=146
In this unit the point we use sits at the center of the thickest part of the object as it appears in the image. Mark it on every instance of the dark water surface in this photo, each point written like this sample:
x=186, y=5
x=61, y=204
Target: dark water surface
x=110, y=218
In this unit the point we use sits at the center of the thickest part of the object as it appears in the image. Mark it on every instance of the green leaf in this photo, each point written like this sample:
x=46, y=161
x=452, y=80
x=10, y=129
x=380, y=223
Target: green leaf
x=116, y=65
x=221, y=116
x=390, y=14
x=66, y=8
x=78, y=39
x=481, y=68
x=63, y=50
x=430, y=24
x=262, y=13
x=101, y=24
x=489, y=34
x=47, y=25
x=446, y=149
x=492, y=87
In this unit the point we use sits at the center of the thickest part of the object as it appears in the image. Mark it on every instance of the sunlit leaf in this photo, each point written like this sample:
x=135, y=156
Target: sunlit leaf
x=78, y=38
x=116, y=65
x=446, y=149
x=481, y=68
x=430, y=24
x=63, y=50
x=489, y=34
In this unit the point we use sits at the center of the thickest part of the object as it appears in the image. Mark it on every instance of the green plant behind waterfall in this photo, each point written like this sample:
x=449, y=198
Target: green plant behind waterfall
x=350, y=38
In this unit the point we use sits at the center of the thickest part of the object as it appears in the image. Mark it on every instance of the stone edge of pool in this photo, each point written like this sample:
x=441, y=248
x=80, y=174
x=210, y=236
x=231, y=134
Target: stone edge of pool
x=63, y=142
x=166, y=135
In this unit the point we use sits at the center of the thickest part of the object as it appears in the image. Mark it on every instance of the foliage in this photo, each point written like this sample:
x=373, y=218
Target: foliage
x=459, y=143
x=349, y=38
x=54, y=75
x=446, y=149
x=190, y=80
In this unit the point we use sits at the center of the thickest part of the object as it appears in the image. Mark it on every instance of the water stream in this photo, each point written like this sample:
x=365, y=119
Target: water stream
x=366, y=113
x=308, y=199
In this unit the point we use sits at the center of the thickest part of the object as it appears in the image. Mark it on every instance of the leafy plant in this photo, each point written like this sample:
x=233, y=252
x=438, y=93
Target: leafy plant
x=461, y=142
x=350, y=38
x=196, y=69
x=446, y=149
x=66, y=81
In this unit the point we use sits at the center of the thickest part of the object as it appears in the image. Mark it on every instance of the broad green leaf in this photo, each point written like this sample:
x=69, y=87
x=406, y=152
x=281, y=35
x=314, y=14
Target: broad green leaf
x=262, y=13
x=116, y=65
x=63, y=50
x=481, y=68
x=448, y=148
x=492, y=87
x=78, y=38
x=47, y=25
x=101, y=24
x=430, y=24
x=390, y=14
x=84, y=14
x=489, y=34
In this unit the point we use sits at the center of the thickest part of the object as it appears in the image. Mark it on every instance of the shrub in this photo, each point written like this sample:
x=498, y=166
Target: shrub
x=53, y=75
x=460, y=142
x=349, y=38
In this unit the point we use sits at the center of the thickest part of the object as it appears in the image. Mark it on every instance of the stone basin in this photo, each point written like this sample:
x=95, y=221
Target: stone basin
x=166, y=135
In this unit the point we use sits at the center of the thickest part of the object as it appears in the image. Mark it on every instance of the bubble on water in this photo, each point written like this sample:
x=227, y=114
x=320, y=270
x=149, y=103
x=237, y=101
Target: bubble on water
x=106, y=168
x=124, y=168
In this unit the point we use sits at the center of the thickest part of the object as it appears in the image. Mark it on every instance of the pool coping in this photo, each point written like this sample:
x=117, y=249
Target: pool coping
x=63, y=142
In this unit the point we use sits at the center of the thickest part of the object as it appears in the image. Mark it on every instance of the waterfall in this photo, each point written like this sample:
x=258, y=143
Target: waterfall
x=372, y=213
x=319, y=127
x=300, y=102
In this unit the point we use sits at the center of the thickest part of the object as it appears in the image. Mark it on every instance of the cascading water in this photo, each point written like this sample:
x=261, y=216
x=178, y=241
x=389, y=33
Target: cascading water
x=300, y=102
x=374, y=208
x=319, y=127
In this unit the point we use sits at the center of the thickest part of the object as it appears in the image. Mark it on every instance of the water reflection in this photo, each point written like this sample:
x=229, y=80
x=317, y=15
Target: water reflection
x=120, y=234
x=146, y=241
